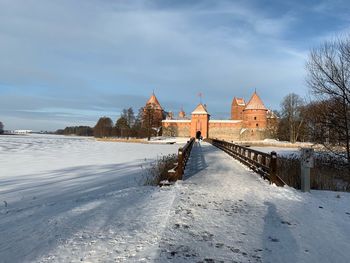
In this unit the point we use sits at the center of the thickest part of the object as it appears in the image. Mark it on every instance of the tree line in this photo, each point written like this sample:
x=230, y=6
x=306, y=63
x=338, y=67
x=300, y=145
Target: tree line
x=127, y=125
x=1, y=128
x=76, y=130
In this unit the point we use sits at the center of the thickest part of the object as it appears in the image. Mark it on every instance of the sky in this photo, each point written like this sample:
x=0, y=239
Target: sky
x=65, y=63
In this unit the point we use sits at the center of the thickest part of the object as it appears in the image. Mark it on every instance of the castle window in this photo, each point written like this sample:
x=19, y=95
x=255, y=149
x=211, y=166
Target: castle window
x=257, y=125
x=254, y=118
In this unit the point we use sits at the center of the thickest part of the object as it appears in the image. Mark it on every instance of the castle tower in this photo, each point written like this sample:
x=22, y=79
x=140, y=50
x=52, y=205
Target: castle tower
x=255, y=113
x=153, y=113
x=237, y=108
x=182, y=114
x=200, y=122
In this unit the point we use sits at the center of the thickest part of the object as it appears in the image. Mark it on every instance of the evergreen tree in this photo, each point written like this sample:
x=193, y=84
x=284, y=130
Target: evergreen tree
x=122, y=123
x=1, y=128
x=122, y=127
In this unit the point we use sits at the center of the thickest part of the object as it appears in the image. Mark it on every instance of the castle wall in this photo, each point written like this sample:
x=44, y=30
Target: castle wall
x=252, y=134
x=176, y=128
x=225, y=129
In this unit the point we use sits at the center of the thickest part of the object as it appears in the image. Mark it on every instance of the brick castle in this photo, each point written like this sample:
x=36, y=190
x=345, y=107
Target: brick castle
x=249, y=121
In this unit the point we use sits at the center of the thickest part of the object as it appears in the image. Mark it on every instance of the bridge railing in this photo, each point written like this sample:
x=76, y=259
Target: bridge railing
x=182, y=157
x=262, y=163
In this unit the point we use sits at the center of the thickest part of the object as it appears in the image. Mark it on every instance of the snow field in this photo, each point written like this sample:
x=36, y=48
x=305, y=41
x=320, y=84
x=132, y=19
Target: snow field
x=74, y=199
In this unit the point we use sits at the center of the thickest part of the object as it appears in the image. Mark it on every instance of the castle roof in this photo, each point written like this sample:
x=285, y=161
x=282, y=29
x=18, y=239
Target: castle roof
x=255, y=103
x=238, y=101
x=153, y=101
x=200, y=109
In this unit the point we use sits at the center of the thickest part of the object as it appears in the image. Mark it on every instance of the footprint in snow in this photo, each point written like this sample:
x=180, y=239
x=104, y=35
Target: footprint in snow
x=273, y=239
x=286, y=223
x=219, y=245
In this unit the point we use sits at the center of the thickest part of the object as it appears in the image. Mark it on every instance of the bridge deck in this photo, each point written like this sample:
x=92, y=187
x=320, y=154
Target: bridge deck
x=224, y=212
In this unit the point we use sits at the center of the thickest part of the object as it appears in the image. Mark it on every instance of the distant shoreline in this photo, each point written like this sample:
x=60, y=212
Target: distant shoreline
x=132, y=140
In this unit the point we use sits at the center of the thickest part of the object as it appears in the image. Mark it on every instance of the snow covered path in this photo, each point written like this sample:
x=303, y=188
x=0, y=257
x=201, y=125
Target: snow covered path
x=226, y=213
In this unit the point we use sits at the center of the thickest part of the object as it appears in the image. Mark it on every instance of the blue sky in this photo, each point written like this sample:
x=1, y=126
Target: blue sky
x=69, y=62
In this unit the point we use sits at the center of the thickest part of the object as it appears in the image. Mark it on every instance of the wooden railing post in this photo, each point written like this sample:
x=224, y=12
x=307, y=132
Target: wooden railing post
x=180, y=167
x=273, y=167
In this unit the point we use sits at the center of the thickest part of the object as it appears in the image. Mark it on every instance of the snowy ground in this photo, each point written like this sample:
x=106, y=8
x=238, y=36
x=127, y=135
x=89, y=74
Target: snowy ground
x=73, y=199
x=226, y=213
x=163, y=139
x=70, y=198
x=281, y=151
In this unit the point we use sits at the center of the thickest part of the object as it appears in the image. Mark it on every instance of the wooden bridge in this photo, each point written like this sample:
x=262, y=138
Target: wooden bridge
x=260, y=162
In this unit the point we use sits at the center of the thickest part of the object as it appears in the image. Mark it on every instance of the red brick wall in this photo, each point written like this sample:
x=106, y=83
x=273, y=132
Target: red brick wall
x=225, y=130
x=200, y=122
x=179, y=129
x=254, y=119
x=237, y=112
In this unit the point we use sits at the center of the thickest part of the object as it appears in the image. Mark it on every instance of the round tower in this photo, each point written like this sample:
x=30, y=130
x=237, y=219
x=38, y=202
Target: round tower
x=255, y=113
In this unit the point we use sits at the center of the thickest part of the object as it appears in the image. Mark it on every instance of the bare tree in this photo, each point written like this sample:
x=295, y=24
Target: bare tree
x=329, y=80
x=129, y=115
x=103, y=127
x=271, y=130
x=292, y=118
x=1, y=128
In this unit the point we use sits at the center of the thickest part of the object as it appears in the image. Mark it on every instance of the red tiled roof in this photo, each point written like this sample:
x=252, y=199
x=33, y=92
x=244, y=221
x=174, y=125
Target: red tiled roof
x=238, y=101
x=255, y=103
x=154, y=102
x=200, y=109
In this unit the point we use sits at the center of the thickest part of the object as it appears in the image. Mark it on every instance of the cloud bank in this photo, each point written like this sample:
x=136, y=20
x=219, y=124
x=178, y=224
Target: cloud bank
x=69, y=62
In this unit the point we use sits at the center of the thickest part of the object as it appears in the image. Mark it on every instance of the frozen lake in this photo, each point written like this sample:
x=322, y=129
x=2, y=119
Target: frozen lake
x=52, y=187
x=281, y=151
